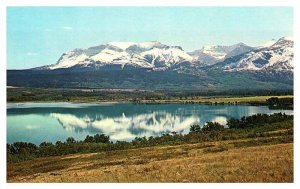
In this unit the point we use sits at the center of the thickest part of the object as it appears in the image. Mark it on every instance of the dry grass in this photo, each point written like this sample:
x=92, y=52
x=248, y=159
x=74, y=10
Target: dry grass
x=203, y=162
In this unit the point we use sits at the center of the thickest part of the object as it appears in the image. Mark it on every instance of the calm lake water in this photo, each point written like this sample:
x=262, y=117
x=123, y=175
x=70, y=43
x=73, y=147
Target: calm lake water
x=38, y=122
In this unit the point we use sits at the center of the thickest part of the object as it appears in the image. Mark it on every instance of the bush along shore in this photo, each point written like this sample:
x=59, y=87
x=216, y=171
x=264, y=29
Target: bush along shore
x=276, y=128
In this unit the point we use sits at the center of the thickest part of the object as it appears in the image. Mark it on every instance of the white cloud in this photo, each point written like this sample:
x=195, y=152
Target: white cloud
x=67, y=28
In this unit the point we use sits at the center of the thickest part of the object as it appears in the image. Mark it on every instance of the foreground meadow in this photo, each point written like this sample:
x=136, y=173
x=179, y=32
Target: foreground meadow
x=206, y=162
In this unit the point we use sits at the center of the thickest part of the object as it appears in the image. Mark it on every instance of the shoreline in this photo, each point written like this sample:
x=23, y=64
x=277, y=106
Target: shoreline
x=249, y=100
x=201, y=99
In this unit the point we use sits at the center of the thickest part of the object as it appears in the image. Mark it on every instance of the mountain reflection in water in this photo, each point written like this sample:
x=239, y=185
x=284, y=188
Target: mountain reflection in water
x=57, y=121
x=127, y=127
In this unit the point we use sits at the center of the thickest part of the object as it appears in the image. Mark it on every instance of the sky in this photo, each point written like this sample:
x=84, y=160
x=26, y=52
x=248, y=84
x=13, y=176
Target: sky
x=38, y=36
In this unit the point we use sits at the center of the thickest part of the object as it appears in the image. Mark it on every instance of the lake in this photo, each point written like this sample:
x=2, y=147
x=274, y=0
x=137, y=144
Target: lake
x=38, y=122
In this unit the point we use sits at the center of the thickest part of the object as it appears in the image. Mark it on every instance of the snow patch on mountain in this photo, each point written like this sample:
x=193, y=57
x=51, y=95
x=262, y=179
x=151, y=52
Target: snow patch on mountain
x=268, y=44
x=69, y=59
x=278, y=57
x=167, y=56
x=214, y=51
x=210, y=55
x=126, y=45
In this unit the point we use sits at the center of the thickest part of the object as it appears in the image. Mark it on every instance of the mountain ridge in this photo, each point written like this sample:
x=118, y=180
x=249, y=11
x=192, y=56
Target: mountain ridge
x=153, y=65
x=157, y=56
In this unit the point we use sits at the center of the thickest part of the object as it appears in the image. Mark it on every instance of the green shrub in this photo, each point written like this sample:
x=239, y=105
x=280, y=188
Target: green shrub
x=195, y=128
x=212, y=126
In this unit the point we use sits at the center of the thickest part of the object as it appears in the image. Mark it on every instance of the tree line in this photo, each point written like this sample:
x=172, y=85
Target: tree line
x=279, y=103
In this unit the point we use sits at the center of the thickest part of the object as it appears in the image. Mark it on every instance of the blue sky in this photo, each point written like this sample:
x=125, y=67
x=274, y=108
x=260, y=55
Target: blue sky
x=38, y=36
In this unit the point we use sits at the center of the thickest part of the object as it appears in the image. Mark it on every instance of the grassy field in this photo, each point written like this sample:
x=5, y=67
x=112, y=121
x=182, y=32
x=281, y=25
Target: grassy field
x=136, y=96
x=244, y=160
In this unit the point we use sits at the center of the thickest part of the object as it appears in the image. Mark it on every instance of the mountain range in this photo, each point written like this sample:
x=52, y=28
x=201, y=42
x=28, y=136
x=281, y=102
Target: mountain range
x=153, y=65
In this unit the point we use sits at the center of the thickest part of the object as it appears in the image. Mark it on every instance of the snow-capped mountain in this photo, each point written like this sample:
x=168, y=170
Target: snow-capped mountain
x=268, y=44
x=276, y=57
x=210, y=55
x=153, y=65
x=143, y=55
